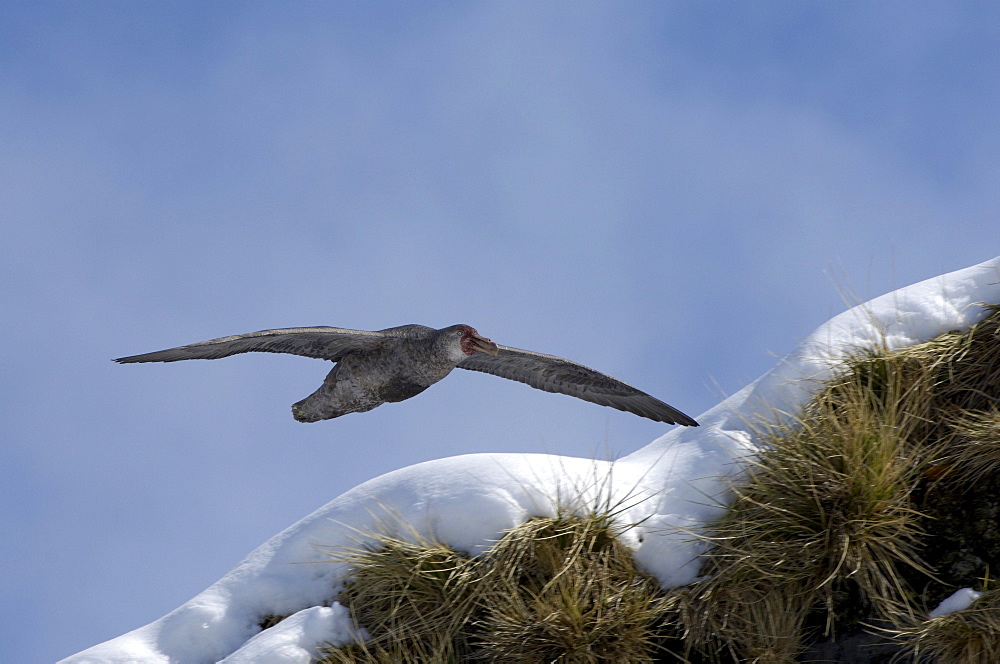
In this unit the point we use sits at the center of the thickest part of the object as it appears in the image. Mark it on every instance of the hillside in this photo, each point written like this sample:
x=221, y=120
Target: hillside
x=912, y=429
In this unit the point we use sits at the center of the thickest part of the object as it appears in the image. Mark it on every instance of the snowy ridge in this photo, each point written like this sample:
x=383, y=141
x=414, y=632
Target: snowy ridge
x=467, y=501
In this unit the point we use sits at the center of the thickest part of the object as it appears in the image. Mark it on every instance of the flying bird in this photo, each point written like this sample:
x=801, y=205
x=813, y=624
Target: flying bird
x=397, y=363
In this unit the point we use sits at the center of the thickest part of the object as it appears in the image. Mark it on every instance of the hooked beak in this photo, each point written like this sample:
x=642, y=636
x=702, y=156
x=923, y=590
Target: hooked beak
x=483, y=344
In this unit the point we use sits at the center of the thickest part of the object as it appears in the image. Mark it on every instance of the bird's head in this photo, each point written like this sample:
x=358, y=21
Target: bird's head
x=466, y=341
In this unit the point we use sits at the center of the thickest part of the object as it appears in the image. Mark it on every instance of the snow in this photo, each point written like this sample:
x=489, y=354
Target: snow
x=295, y=638
x=959, y=600
x=671, y=486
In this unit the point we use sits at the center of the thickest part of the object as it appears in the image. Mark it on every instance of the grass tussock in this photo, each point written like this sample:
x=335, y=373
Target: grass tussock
x=413, y=596
x=970, y=636
x=559, y=589
x=827, y=528
x=974, y=456
x=824, y=513
x=843, y=519
x=566, y=589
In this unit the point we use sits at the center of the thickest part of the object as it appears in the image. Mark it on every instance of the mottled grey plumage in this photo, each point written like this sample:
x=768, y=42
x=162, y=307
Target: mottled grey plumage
x=400, y=362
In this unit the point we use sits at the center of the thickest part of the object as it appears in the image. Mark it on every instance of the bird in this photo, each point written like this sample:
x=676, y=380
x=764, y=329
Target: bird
x=376, y=367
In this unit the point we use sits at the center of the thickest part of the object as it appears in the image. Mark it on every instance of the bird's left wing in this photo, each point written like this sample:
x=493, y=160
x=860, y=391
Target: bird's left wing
x=555, y=374
x=325, y=343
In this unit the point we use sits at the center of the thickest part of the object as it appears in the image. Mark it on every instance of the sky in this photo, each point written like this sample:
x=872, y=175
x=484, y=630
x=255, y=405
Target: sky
x=673, y=193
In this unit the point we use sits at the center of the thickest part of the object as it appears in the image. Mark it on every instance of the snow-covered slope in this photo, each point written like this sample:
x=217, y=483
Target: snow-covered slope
x=467, y=501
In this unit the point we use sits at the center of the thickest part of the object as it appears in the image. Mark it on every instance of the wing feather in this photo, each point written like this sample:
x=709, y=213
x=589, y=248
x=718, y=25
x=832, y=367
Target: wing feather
x=556, y=374
x=325, y=343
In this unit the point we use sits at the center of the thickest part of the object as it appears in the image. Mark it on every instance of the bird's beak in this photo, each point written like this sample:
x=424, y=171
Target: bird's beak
x=483, y=344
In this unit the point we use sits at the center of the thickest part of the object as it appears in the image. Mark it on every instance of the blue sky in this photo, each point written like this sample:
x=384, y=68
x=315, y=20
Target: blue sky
x=673, y=193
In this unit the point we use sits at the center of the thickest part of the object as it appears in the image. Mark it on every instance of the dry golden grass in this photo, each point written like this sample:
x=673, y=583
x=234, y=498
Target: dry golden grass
x=974, y=454
x=413, y=596
x=566, y=589
x=971, y=636
x=552, y=589
x=824, y=517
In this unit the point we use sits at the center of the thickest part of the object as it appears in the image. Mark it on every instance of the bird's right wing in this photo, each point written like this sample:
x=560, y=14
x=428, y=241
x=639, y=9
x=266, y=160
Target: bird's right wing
x=325, y=343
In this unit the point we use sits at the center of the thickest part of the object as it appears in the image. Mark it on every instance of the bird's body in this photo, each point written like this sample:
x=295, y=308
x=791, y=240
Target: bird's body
x=397, y=363
x=364, y=379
